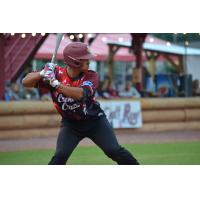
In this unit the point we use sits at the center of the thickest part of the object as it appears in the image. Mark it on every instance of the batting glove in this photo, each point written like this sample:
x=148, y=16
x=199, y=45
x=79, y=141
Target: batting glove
x=55, y=83
x=51, y=80
x=48, y=70
x=48, y=75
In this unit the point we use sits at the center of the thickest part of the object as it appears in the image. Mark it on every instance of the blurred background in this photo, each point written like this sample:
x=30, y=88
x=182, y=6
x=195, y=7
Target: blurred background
x=156, y=65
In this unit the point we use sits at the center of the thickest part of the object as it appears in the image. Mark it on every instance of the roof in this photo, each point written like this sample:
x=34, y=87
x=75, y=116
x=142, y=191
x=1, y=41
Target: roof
x=163, y=48
x=100, y=47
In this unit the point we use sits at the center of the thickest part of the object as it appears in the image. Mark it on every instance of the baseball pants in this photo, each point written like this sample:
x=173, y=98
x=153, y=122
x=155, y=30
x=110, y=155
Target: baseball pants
x=99, y=131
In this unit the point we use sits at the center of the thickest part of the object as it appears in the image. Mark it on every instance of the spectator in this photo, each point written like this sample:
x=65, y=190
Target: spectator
x=112, y=90
x=8, y=91
x=30, y=94
x=109, y=88
x=46, y=97
x=106, y=89
x=12, y=91
x=130, y=91
x=195, y=88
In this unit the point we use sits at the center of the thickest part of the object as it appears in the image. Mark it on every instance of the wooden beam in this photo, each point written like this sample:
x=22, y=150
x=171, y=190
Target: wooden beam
x=137, y=47
x=91, y=40
x=2, y=67
x=112, y=51
x=178, y=66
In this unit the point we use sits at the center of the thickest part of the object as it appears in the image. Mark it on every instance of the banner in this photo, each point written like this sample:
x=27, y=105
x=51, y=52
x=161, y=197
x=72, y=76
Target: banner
x=123, y=114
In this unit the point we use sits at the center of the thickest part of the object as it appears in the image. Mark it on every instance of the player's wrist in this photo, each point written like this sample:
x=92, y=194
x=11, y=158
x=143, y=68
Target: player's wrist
x=42, y=72
x=55, y=84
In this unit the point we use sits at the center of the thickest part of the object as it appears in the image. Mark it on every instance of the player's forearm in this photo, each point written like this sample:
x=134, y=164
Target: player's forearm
x=72, y=92
x=31, y=79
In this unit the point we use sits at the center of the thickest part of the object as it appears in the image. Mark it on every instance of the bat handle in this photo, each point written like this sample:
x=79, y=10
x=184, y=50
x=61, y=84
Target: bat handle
x=53, y=59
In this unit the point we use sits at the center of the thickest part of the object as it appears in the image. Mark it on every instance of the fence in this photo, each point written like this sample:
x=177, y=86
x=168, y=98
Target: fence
x=27, y=119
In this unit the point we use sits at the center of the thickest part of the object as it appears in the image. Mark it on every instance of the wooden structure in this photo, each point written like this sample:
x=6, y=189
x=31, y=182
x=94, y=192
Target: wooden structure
x=15, y=53
x=136, y=47
x=39, y=119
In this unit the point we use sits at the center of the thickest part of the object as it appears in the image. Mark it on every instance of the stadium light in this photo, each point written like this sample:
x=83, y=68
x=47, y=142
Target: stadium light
x=168, y=44
x=23, y=35
x=186, y=43
x=71, y=37
x=104, y=39
x=80, y=35
x=151, y=40
x=120, y=39
x=90, y=35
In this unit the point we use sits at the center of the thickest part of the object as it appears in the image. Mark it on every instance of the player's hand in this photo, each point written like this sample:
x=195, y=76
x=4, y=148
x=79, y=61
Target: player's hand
x=48, y=75
x=50, y=66
x=55, y=83
x=48, y=70
x=51, y=80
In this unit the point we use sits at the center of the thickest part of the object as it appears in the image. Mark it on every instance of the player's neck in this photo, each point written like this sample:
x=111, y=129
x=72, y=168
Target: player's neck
x=73, y=72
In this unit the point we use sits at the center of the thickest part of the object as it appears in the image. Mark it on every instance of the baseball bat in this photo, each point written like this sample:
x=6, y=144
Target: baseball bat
x=58, y=41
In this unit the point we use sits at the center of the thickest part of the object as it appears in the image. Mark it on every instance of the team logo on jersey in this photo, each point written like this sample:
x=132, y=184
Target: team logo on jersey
x=67, y=103
x=87, y=83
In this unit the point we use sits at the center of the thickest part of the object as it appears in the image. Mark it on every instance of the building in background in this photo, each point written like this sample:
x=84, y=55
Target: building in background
x=160, y=58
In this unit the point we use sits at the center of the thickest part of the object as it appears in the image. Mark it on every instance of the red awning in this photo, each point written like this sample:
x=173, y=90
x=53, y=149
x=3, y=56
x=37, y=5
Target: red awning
x=98, y=47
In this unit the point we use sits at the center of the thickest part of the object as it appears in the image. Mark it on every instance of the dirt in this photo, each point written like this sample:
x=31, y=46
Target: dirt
x=124, y=137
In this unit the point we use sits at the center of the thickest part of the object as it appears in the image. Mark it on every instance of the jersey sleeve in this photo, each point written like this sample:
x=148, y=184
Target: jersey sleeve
x=89, y=85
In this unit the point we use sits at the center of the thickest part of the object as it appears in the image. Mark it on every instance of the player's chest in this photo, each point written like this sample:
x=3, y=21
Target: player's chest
x=70, y=82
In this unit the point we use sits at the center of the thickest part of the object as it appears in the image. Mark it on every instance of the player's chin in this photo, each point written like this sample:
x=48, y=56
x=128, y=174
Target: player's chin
x=85, y=69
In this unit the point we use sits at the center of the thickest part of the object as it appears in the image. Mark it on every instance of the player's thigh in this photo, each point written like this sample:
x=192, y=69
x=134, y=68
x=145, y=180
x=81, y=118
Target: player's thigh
x=104, y=136
x=67, y=140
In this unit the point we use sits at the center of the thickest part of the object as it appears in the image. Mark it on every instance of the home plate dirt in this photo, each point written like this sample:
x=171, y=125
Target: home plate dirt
x=124, y=137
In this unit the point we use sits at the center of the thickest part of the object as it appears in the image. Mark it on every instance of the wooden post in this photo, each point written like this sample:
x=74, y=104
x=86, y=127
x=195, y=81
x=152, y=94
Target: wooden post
x=112, y=51
x=152, y=57
x=2, y=67
x=137, y=46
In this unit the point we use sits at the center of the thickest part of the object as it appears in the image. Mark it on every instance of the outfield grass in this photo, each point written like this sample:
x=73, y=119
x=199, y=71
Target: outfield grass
x=150, y=154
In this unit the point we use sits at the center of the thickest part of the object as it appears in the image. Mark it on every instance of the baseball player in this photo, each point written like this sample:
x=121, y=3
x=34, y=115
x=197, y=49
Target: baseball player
x=73, y=93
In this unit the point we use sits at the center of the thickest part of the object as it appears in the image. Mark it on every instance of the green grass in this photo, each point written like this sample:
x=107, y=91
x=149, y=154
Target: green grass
x=150, y=154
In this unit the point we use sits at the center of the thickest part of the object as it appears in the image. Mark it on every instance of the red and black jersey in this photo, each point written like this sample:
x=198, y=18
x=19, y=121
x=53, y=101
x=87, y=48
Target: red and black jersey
x=69, y=108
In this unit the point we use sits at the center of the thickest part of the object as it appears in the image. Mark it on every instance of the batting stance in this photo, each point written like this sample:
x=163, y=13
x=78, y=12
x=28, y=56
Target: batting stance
x=73, y=93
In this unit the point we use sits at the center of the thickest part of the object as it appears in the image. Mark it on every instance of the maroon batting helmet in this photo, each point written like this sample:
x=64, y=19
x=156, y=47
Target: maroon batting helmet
x=74, y=52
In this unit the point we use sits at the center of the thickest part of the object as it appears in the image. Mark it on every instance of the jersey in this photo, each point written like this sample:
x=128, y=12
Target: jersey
x=70, y=109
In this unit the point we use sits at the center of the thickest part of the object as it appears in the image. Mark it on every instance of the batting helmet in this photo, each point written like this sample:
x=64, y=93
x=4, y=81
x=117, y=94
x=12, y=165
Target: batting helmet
x=74, y=52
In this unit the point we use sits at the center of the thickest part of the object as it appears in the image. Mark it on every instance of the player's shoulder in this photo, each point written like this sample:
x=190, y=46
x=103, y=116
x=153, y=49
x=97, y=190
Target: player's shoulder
x=92, y=73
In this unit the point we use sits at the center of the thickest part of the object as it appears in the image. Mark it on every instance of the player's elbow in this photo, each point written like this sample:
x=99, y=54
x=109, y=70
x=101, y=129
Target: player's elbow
x=26, y=83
